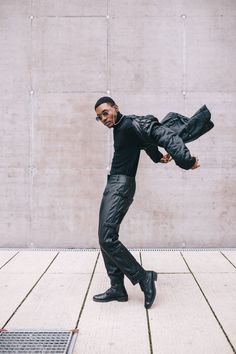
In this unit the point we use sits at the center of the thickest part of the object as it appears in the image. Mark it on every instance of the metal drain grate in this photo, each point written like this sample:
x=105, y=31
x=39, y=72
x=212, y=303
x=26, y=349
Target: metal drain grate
x=31, y=342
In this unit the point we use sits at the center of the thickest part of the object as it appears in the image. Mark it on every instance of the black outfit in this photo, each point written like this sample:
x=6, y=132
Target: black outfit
x=127, y=146
x=117, y=198
x=131, y=135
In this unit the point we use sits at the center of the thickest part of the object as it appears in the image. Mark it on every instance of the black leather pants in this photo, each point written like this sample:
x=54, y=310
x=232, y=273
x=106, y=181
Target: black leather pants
x=117, y=198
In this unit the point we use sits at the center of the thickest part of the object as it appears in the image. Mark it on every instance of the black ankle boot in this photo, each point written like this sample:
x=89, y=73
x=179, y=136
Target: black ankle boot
x=147, y=285
x=115, y=292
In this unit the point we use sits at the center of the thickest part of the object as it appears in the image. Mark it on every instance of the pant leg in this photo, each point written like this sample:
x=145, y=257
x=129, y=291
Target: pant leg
x=115, y=274
x=116, y=201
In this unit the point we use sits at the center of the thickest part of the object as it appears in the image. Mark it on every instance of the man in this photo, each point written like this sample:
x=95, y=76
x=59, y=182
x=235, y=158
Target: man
x=131, y=135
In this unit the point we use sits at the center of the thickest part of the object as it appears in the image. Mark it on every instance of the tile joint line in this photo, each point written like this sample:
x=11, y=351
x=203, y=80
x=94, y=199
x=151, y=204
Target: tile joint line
x=76, y=330
x=207, y=301
x=227, y=259
x=147, y=316
x=30, y=291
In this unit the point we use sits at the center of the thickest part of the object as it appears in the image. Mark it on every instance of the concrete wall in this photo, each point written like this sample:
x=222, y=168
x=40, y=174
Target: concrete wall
x=57, y=57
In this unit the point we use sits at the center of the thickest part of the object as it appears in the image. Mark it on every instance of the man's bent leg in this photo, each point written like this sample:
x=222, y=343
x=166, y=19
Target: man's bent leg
x=117, y=198
x=114, y=273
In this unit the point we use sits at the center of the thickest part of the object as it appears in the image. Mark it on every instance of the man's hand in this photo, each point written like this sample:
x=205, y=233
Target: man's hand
x=197, y=164
x=166, y=158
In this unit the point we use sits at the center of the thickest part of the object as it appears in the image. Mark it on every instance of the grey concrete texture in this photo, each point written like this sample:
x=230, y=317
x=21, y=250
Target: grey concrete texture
x=57, y=58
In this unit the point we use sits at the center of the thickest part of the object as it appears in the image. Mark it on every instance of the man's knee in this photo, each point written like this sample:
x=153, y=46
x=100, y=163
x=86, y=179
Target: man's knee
x=108, y=235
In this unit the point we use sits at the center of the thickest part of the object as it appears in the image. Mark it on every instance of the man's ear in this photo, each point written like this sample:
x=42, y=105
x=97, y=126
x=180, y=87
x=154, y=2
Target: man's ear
x=116, y=108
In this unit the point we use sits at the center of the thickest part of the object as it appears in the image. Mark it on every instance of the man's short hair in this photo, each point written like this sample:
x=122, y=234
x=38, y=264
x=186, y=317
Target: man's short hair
x=104, y=99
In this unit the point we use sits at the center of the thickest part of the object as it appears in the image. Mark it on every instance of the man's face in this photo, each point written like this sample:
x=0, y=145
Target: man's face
x=107, y=114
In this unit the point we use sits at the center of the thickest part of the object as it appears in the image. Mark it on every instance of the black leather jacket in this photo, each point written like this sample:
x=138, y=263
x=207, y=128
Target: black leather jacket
x=172, y=133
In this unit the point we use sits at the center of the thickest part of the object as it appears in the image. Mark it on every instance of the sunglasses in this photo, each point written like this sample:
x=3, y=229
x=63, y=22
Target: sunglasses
x=104, y=114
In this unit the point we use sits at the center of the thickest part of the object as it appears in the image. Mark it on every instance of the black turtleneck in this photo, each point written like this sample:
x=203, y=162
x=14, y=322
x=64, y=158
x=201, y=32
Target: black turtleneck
x=127, y=147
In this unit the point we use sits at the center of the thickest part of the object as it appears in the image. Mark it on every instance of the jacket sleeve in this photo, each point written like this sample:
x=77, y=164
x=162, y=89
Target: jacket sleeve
x=153, y=152
x=174, y=145
x=189, y=129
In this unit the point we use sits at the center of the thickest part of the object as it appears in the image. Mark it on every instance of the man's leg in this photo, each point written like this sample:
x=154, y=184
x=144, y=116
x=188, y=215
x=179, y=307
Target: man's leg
x=114, y=273
x=117, y=198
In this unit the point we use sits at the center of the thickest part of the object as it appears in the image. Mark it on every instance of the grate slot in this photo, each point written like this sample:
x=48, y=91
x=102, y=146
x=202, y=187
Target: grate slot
x=31, y=342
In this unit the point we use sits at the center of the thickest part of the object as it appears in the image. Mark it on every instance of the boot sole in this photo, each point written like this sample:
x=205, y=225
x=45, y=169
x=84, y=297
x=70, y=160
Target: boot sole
x=121, y=299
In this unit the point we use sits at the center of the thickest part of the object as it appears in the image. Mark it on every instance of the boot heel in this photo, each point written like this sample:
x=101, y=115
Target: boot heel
x=154, y=274
x=122, y=299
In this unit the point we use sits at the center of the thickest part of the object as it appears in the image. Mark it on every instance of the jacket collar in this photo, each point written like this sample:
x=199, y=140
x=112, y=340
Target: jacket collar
x=119, y=118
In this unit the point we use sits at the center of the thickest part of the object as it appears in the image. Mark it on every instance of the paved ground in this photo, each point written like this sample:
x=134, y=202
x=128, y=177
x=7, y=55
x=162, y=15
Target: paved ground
x=195, y=309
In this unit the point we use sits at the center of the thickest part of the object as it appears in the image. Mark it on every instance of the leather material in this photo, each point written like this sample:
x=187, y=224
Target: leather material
x=172, y=133
x=153, y=133
x=117, y=198
x=147, y=285
x=189, y=129
x=115, y=293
